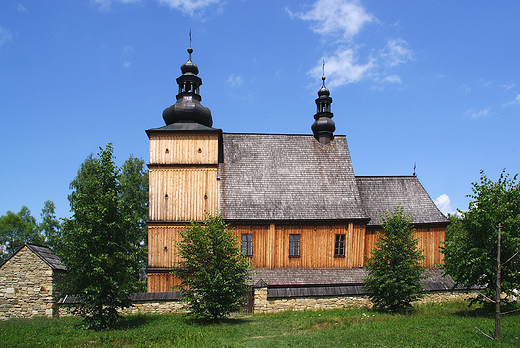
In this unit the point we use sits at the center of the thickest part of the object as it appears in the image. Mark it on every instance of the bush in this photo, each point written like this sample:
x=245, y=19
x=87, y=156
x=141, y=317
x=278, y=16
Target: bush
x=214, y=272
x=395, y=268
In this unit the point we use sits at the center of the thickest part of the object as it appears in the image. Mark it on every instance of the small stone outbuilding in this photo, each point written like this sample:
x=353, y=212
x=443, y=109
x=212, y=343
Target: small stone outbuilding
x=28, y=281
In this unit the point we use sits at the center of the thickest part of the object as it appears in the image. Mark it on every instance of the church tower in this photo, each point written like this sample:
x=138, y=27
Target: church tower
x=323, y=126
x=184, y=156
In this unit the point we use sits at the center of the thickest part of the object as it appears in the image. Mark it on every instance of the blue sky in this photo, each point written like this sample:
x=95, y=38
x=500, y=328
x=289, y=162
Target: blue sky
x=434, y=83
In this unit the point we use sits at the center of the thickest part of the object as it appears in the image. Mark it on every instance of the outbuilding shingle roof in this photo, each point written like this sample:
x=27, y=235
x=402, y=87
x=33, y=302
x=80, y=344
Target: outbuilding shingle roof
x=47, y=255
x=287, y=177
x=382, y=194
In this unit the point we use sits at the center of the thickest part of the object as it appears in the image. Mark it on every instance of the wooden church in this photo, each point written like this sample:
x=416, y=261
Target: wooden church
x=300, y=212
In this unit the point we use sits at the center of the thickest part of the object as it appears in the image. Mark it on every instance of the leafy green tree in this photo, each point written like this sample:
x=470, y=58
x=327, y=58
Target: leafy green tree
x=50, y=226
x=213, y=270
x=470, y=250
x=134, y=194
x=17, y=229
x=395, y=268
x=99, y=246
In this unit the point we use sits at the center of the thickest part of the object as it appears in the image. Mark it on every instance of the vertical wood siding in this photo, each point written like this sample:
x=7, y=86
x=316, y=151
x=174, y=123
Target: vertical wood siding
x=184, y=148
x=161, y=282
x=162, y=253
x=430, y=239
x=271, y=244
x=161, y=245
x=182, y=194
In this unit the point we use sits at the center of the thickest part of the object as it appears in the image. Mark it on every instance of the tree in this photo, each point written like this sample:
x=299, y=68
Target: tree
x=134, y=194
x=50, y=226
x=395, y=268
x=99, y=245
x=470, y=250
x=213, y=270
x=17, y=229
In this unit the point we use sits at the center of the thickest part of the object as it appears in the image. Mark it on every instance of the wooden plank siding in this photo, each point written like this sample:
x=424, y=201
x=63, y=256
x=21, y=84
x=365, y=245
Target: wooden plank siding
x=271, y=244
x=430, y=239
x=161, y=282
x=182, y=194
x=161, y=245
x=183, y=185
x=184, y=148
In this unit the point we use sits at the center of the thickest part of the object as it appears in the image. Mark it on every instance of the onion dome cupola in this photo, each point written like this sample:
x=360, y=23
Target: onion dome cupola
x=188, y=109
x=323, y=126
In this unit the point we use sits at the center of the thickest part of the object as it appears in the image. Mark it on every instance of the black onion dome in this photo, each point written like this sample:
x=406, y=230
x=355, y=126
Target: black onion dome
x=323, y=127
x=188, y=108
x=323, y=90
x=189, y=66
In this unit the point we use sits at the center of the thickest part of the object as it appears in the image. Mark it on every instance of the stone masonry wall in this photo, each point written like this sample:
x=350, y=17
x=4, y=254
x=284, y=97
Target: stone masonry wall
x=274, y=305
x=26, y=287
x=141, y=307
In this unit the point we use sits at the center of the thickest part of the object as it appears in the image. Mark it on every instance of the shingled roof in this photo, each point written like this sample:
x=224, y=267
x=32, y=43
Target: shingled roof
x=287, y=177
x=182, y=126
x=43, y=252
x=297, y=282
x=382, y=194
x=48, y=256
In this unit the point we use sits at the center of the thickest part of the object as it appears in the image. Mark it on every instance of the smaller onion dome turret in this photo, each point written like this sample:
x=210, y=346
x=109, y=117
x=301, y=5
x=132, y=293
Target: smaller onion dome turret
x=188, y=108
x=323, y=126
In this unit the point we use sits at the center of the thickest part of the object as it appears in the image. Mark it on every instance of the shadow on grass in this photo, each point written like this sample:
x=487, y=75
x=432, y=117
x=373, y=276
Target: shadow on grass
x=488, y=311
x=206, y=322
x=135, y=320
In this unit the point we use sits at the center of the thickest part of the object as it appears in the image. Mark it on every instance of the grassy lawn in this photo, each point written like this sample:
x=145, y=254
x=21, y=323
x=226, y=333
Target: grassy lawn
x=436, y=325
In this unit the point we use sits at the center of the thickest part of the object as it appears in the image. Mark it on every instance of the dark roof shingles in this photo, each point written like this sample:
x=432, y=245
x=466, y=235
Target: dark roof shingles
x=382, y=194
x=48, y=256
x=287, y=177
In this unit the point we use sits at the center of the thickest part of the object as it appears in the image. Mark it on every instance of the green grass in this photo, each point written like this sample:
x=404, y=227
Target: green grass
x=436, y=325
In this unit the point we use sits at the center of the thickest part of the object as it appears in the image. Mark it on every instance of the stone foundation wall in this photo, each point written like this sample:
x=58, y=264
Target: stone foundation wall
x=26, y=287
x=143, y=307
x=26, y=290
x=263, y=304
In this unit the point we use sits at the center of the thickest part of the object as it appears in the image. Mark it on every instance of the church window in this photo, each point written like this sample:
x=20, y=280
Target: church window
x=339, y=246
x=247, y=244
x=294, y=245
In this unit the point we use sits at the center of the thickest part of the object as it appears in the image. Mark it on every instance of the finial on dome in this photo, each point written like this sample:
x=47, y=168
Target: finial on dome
x=323, y=72
x=190, y=50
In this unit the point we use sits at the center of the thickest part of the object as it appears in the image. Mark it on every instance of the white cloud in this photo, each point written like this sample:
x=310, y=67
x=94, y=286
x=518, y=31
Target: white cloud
x=342, y=68
x=106, y=5
x=443, y=202
x=466, y=88
x=21, y=8
x=127, y=50
x=235, y=80
x=189, y=7
x=346, y=19
x=516, y=101
x=336, y=17
x=392, y=79
x=476, y=114
x=396, y=52
x=5, y=35
x=508, y=87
